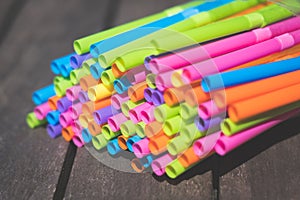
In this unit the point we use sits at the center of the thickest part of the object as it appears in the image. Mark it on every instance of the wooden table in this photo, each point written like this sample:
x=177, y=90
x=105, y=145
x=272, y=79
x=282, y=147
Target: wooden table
x=33, y=166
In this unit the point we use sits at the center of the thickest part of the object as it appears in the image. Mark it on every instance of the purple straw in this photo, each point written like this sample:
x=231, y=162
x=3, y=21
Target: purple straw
x=204, y=124
x=63, y=104
x=54, y=130
x=77, y=60
x=101, y=116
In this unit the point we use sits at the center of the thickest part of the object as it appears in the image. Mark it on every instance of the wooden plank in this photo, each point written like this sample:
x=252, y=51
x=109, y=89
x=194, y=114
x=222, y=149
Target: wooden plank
x=264, y=168
x=31, y=161
x=91, y=179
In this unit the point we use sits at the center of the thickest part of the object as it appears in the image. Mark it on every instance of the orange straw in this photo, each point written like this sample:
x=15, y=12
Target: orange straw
x=88, y=81
x=242, y=110
x=196, y=96
x=122, y=141
x=153, y=128
x=249, y=90
x=94, y=128
x=67, y=133
x=90, y=106
x=158, y=143
x=116, y=72
x=188, y=158
x=53, y=102
x=136, y=92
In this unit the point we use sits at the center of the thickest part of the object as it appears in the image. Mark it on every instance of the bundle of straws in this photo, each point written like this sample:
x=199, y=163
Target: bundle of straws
x=150, y=88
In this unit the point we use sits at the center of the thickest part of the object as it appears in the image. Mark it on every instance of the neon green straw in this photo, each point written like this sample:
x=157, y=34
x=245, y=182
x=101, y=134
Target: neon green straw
x=107, y=77
x=128, y=128
x=34, y=122
x=77, y=74
x=188, y=112
x=173, y=125
x=108, y=133
x=174, y=169
x=140, y=129
x=178, y=145
x=99, y=141
x=150, y=80
x=82, y=45
x=61, y=86
x=164, y=112
x=128, y=105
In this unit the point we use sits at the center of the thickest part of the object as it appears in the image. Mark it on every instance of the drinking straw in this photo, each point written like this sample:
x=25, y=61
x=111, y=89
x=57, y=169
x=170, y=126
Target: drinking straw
x=128, y=128
x=99, y=141
x=173, y=125
x=100, y=91
x=108, y=133
x=54, y=130
x=77, y=60
x=83, y=96
x=76, y=126
x=56, y=64
x=107, y=77
x=65, y=119
x=73, y=92
x=209, y=109
x=78, y=140
x=141, y=31
x=52, y=101
x=131, y=141
x=86, y=135
x=140, y=129
x=153, y=128
x=53, y=117
x=122, y=140
x=136, y=92
x=195, y=96
x=33, y=121
x=82, y=45
x=113, y=147
x=42, y=95
x=75, y=110
x=61, y=87
x=247, y=108
x=85, y=119
x=140, y=148
x=87, y=82
x=140, y=165
x=164, y=112
x=122, y=84
x=190, y=132
x=150, y=80
x=101, y=116
x=178, y=145
x=41, y=111
x=229, y=127
x=115, y=121
x=163, y=80
x=94, y=128
x=146, y=46
x=67, y=133
x=136, y=75
x=188, y=158
x=90, y=106
x=174, y=96
x=204, y=124
x=187, y=112
x=200, y=53
x=77, y=74
x=158, y=143
x=63, y=104
x=226, y=144
x=118, y=99
x=147, y=115
x=116, y=72
x=206, y=144
x=128, y=105
x=249, y=90
x=96, y=70
x=148, y=92
x=158, y=165
x=227, y=61
x=240, y=76
x=158, y=98
x=65, y=70
x=135, y=113
x=174, y=169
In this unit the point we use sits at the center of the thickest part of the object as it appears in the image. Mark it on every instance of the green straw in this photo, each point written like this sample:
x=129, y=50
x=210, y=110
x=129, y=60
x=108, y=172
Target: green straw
x=108, y=133
x=164, y=112
x=173, y=125
x=128, y=128
x=178, y=145
x=188, y=112
x=140, y=129
x=61, y=86
x=82, y=45
x=77, y=74
x=107, y=77
x=174, y=169
x=150, y=80
x=34, y=122
x=99, y=141
x=128, y=105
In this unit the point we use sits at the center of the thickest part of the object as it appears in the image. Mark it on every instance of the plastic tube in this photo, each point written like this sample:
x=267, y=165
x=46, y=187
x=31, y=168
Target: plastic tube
x=158, y=98
x=90, y=106
x=83, y=96
x=128, y=105
x=115, y=121
x=113, y=147
x=99, y=142
x=128, y=128
x=164, y=112
x=153, y=128
x=108, y=133
x=78, y=140
x=42, y=95
x=54, y=130
x=85, y=119
x=158, y=165
x=86, y=135
x=61, y=87
x=122, y=140
x=56, y=64
x=158, y=143
x=173, y=125
x=135, y=113
x=209, y=109
x=196, y=96
x=52, y=101
x=205, y=145
x=140, y=129
x=140, y=148
x=67, y=133
x=131, y=141
x=76, y=110
x=41, y=111
x=94, y=128
x=87, y=82
x=73, y=92
x=203, y=124
x=77, y=60
x=147, y=115
x=122, y=84
x=77, y=74
x=148, y=92
x=118, y=99
x=187, y=112
x=150, y=80
x=136, y=92
x=101, y=116
x=34, y=122
x=53, y=117
x=65, y=119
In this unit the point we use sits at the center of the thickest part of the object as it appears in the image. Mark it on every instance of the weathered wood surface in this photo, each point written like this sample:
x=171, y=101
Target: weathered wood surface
x=266, y=168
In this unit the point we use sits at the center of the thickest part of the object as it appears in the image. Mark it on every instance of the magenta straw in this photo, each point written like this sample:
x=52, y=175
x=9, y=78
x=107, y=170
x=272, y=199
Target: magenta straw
x=226, y=144
x=137, y=74
x=159, y=165
x=73, y=92
x=78, y=140
x=118, y=99
x=76, y=127
x=135, y=113
x=147, y=115
x=83, y=96
x=42, y=110
x=206, y=144
x=75, y=110
x=209, y=109
x=140, y=148
x=163, y=80
x=115, y=121
x=65, y=119
x=200, y=53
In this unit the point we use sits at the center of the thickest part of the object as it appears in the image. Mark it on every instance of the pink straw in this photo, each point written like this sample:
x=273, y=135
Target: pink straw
x=226, y=144
x=140, y=148
x=147, y=115
x=205, y=145
x=73, y=92
x=42, y=110
x=65, y=119
x=118, y=99
x=209, y=109
x=159, y=165
x=115, y=121
x=78, y=140
x=75, y=110
x=135, y=113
